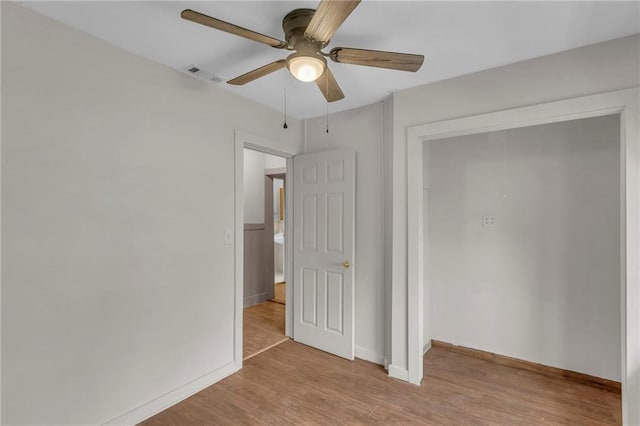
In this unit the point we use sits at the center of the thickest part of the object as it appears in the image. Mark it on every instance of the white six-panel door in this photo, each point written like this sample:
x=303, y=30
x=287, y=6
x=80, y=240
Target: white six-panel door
x=323, y=252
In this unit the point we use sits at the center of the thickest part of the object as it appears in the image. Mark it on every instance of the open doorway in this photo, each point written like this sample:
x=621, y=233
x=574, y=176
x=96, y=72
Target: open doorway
x=274, y=206
x=624, y=103
x=522, y=253
x=264, y=297
x=322, y=250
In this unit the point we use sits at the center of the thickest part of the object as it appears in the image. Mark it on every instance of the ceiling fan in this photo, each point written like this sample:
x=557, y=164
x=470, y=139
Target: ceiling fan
x=307, y=32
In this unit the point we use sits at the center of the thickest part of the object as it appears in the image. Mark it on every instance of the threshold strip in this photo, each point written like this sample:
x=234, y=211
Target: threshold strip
x=266, y=349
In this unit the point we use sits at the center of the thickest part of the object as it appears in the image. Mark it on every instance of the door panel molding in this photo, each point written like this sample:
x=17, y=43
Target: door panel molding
x=324, y=247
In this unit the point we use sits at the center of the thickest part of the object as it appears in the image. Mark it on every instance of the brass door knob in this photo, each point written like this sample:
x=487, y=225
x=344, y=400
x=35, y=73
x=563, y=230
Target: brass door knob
x=346, y=264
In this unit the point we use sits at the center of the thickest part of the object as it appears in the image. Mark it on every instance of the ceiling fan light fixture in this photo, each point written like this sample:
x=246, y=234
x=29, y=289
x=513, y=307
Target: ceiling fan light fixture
x=307, y=32
x=306, y=67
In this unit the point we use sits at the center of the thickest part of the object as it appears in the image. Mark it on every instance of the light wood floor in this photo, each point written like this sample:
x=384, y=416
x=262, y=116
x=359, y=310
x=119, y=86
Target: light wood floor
x=280, y=295
x=295, y=384
x=263, y=326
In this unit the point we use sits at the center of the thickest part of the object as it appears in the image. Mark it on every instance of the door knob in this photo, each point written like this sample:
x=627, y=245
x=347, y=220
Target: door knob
x=346, y=264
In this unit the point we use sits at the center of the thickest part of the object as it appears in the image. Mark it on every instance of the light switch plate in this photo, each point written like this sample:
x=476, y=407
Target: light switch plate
x=228, y=237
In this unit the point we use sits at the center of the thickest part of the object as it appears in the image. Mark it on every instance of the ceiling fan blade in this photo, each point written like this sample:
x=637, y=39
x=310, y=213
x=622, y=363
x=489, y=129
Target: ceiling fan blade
x=258, y=72
x=377, y=58
x=200, y=18
x=328, y=17
x=329, y=86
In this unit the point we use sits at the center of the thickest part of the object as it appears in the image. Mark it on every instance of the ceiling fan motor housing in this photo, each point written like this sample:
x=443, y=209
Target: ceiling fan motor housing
x=307, y=63
x=294, y=25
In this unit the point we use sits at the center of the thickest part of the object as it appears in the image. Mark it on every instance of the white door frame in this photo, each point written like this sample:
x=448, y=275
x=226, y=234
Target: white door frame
x=623, y=102
x=257, y=143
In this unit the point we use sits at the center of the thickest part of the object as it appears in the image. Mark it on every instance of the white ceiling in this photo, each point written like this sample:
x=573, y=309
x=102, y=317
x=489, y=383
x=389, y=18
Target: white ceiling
x=455, y=37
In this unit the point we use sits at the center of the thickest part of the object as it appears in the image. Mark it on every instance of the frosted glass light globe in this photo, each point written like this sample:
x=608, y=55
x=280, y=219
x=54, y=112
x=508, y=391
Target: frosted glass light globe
x=305, y=68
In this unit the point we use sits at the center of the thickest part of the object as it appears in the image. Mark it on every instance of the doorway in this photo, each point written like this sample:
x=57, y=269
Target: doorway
x=624, y=103
x=324, y=188
x=275, y=233
x=264, y=299
x=522, y=244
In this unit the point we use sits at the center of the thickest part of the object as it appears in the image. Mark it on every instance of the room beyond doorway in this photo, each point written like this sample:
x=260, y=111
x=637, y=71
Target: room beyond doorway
x=522, y=235
x=623, y=102
x=263, y=328
x=274, y=183
x=264, y=254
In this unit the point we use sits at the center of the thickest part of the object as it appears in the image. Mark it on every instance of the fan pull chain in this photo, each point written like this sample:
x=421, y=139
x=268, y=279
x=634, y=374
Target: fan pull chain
x=327, y=116
x=284, y=126
x=327, y=98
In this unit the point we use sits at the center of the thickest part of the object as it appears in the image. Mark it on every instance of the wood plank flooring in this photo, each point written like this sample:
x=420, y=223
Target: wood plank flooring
x=263, y=326
x=292, y=384
x=280, y=295
x=599, y=382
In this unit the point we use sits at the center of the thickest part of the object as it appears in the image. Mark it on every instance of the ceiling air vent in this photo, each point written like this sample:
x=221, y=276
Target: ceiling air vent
x=202, y=74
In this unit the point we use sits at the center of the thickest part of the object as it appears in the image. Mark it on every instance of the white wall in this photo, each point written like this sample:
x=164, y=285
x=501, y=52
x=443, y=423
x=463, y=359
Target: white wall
x=361, y=129
x=255, y=163
x=274, y=162
x=543, y=284
x=253, y=186
x=117, y=183
x=588, y=70
x=278, y=184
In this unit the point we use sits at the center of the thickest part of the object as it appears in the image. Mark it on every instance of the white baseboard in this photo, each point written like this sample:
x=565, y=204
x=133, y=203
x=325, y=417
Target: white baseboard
x=369, y=355
x=398, y=373
x=254, y=300
x=426, y=347
x=169, y=399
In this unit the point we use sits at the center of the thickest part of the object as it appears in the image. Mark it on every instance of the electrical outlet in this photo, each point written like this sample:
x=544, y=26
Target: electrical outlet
x=488, y=221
